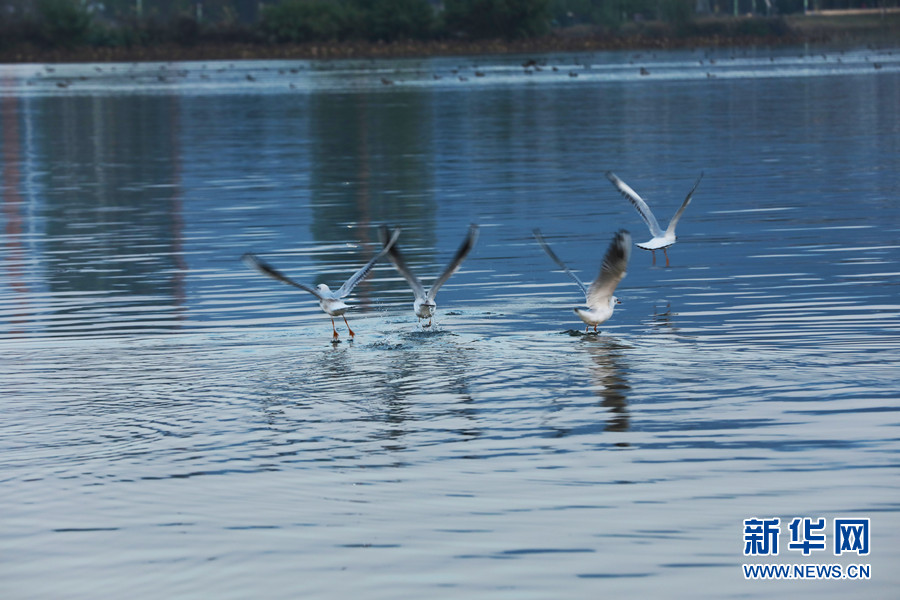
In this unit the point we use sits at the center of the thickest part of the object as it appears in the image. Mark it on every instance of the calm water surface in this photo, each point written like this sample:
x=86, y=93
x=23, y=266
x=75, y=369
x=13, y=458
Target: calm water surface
x=175, y=425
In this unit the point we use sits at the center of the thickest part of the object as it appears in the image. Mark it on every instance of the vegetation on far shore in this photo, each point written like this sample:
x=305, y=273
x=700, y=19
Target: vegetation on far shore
x=75, y=30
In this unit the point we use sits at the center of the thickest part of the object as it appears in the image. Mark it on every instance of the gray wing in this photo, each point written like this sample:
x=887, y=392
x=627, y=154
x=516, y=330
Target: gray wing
x=637, y=202
x=400, y=264
x=267, y=269
x=674, y=221
x=348, y=286
x=454, y=265
x=612, y=271
x=562, y=265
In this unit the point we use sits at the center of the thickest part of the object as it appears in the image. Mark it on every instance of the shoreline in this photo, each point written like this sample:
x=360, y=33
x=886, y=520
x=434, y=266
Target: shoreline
x=879, y=29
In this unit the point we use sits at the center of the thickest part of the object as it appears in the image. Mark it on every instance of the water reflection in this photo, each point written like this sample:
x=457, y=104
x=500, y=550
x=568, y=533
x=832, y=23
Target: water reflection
x=112, y=195
x=663, y=319
x=105, y=178
x=370, y=165
x=609, y=378
x=414, y=389
x=433, y=366
x=268, y=445
x=13, y=210
x=131, y=195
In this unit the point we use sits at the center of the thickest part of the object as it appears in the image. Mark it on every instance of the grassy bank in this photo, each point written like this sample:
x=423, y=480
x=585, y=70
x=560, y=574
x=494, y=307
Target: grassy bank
x=883, y=30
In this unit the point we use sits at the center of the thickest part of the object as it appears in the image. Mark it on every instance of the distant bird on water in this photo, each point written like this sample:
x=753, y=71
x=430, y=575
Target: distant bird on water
x=331, y=301
x=661, y=239
x=424, y=304
x=600, y=299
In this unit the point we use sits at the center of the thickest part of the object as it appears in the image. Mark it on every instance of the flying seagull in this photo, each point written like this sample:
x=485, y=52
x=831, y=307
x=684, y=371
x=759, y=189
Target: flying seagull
x=661, y=239
x=600, y=300
x=331, y=301
x=424, y=305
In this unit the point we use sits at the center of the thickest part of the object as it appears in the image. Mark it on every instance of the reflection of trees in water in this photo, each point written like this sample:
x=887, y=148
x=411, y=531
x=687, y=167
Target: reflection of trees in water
x=13, y=207
x=608, y=374
x=112, y=195
x=371, y=163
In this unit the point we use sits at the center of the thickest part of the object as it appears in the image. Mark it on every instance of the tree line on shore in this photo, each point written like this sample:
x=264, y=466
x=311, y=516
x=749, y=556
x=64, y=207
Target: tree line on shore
x=130, y=23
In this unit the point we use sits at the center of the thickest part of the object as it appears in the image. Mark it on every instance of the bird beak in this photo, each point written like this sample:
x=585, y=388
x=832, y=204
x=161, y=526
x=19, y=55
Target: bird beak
x=618, y=301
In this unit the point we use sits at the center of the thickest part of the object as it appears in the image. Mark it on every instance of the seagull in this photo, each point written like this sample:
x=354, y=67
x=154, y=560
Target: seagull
x=600, y=300
x=661, y=239
x=424, y=305
x=331, y=301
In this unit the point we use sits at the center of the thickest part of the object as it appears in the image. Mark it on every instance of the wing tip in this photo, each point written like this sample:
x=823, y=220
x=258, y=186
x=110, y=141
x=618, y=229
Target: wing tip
x=395, y=234
x=388, y=238
x=699, y=179
x=251, y=260
x=622, y=242
x=474, y=232
x=383, y=233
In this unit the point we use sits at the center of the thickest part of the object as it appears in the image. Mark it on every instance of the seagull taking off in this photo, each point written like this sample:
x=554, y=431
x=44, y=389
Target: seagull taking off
x=331, y=301
x=661, y=239
x=424, y=305
x=600, y=300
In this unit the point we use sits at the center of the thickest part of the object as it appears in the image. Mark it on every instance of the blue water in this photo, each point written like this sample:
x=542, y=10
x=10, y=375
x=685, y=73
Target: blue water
x=174, y=424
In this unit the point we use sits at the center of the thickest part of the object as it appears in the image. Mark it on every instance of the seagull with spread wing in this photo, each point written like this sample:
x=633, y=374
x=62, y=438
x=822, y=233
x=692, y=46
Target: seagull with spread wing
x=332, y=302
x=600, y=299
x=424, y=304
x=661, y=239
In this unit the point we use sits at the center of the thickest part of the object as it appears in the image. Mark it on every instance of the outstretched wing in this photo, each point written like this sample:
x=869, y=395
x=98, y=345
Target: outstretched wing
x=637, y=202
x=454, y=265
x=348, y=286
x=615, y=262
x=562, y=265
x=400, y=264
x=267, y=269
x=674, y=221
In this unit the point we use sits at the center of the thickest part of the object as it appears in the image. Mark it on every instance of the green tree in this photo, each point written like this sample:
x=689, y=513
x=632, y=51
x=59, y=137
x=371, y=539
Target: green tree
x=63, y=22
x=677, y=12
x=607, y=13
x=389, y=20
x=497, y=18
x=309, y=20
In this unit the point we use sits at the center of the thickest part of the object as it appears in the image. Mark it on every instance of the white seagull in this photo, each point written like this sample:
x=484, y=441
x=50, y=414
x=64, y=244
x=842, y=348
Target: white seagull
x=661, y=239
x=331, y=302
x=424, y=305
x=600, y=300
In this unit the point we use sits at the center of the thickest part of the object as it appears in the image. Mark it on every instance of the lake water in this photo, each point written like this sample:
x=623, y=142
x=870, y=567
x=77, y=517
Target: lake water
x=173, y=424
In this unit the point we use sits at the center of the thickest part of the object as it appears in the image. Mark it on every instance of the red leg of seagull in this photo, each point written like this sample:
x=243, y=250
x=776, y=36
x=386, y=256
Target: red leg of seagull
x=334, y=328
x=654, y=257
x=595, y=329
x=348, y=327
x=667, y=256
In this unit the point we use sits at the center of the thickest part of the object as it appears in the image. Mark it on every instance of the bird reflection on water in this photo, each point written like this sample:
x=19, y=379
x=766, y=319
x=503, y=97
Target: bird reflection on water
x=608, y=375
x=397, y=394
x=663, y=318
x=430, y=371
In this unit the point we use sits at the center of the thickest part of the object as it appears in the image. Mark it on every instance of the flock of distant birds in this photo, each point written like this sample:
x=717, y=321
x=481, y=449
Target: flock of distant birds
x=599, y=299
x=168, y=73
